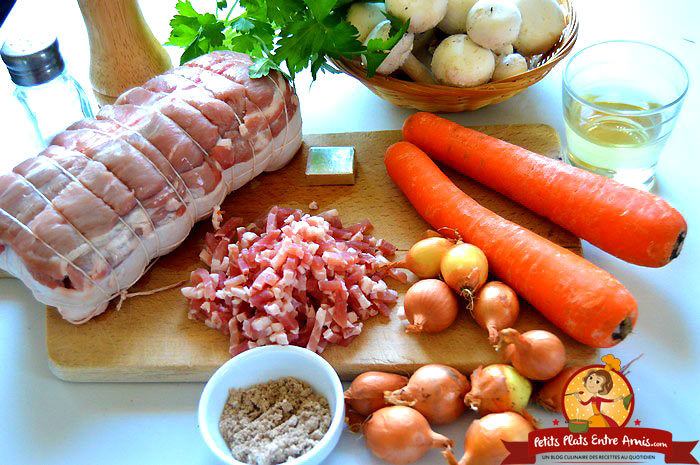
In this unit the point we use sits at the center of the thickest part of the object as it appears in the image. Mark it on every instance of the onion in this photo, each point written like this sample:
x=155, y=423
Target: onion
x=483, y=443
x=430, y=306
x=538, y=354
x=424, y=257
x=498, y=388
x=436, y=391
x=401, y=435
x=353, y=419
x=430, y=233
x=465, y=269
x=496, y=307
x=366, y=393
x=551, y=394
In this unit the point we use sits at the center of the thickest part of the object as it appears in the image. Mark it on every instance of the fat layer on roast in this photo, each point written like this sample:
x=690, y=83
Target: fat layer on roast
x=81, y=221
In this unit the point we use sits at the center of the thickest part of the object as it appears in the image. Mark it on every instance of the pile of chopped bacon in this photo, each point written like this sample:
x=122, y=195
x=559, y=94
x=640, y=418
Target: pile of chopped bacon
x=291, y=278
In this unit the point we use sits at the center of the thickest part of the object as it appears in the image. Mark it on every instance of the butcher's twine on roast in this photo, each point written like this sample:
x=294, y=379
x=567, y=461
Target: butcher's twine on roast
x=80, y=222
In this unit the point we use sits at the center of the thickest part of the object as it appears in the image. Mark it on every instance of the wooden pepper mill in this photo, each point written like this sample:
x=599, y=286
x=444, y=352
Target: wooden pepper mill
x=123, y=51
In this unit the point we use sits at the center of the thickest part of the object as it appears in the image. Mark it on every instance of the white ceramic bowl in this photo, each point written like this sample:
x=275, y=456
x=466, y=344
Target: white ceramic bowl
x=261, y=365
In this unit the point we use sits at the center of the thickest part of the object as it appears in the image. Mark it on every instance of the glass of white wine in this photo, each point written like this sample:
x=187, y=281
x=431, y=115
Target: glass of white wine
x=621, y=102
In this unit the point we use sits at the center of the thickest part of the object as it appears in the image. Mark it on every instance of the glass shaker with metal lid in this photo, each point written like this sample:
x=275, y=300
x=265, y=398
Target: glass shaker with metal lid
x=52, y=98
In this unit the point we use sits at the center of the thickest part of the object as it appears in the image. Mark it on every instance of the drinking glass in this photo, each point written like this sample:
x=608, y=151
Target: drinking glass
x=621, y=102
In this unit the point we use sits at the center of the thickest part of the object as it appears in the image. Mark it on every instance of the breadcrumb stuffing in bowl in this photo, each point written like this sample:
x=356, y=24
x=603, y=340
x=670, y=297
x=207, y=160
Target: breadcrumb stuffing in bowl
x=301, y=385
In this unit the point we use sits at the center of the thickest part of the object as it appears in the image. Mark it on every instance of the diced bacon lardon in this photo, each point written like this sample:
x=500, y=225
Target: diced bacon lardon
x=290, y=278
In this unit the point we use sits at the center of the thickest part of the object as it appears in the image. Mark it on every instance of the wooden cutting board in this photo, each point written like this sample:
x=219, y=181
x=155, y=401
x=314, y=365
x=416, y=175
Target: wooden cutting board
x=151, y=339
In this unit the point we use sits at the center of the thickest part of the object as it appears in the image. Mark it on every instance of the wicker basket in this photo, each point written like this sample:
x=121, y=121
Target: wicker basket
x=437, y=98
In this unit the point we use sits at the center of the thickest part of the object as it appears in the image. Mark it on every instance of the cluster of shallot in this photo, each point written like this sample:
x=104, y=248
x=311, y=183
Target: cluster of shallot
x=431, y=305
x=394, y=413
x=377, y=403
x=461, y=43
x=291, y=278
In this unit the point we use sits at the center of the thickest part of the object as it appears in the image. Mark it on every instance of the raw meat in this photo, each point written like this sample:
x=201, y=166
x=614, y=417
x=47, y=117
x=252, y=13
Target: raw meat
x=80, y=222
x=290, y=278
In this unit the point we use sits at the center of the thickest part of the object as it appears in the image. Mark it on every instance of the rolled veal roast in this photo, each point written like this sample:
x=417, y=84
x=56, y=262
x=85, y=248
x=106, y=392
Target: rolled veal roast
x=81, y=221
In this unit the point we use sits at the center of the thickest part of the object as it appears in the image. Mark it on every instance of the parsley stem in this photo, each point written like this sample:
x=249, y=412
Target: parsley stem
x=228, y=15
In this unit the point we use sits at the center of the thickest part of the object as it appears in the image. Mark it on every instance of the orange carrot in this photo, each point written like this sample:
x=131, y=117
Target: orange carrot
x=583, y=300
x=633, y=225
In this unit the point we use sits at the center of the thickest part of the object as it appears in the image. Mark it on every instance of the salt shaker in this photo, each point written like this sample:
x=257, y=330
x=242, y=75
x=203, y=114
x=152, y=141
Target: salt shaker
x=52, y=98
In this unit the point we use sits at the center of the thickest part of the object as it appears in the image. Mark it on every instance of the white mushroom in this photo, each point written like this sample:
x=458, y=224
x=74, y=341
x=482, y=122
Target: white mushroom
x=423, y=46
x=493, y=23
x=542, y=25
x=424, y=14
x=400, y=55
x=455, y=20
x=508, y=66
x=458, y=61
x=423, y=40
x=365, y=16
x=506, y=50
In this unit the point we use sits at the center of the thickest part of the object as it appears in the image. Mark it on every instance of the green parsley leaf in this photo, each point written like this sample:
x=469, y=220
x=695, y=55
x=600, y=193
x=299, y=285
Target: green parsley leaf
x=299, y=45
x=261, y=67
x=185, y=8
x=286, y=35
x=320, y=9
x=191, y=52
x=341, y=40
x=283, y=12
x=185, y=26
x=250, y=36
x=242, y=24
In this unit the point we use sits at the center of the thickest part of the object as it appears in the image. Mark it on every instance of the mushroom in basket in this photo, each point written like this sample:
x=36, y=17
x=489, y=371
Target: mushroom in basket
x=400, y=55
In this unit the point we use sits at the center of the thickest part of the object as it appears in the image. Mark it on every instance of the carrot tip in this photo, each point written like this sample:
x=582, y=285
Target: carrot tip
x=678, y=245
x=623, y=330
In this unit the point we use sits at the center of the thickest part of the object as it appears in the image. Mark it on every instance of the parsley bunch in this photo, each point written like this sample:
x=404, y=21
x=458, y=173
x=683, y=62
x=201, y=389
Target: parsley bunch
x=286, y=35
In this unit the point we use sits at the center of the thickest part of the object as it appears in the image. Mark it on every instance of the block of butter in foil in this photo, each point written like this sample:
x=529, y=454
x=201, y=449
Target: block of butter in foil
x=330, y=165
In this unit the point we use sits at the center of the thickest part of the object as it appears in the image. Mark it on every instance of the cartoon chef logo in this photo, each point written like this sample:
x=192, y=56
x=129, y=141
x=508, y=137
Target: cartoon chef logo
x=598, y=396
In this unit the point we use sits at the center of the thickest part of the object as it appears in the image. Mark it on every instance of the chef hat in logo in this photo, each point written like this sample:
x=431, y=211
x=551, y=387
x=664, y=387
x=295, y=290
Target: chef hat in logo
x=611, y=363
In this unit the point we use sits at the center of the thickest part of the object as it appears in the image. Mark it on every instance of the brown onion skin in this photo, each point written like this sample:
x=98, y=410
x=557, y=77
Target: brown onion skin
x=550, y=394
x=483, y=443
x=430, y=233
x=401, y=435
x=496, y=307
x=353, y=419
x=436, y=391
x=538, y=355
x=366, y=393
x=430, y=306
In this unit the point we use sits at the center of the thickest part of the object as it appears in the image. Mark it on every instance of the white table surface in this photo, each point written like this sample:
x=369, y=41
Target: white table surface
x=47, y=421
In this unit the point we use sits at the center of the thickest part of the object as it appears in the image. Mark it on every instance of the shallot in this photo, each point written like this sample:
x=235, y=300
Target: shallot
x=465, y=269
x=551, y=394
x=430, y=306
x=430, y=233
x=353, y=419
x=436, y=391
x=424, y=257
x=537, y=355
x=496, y=307
x=483, y=443
x=498, y=388
x=401, y=435
x=366, y=393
